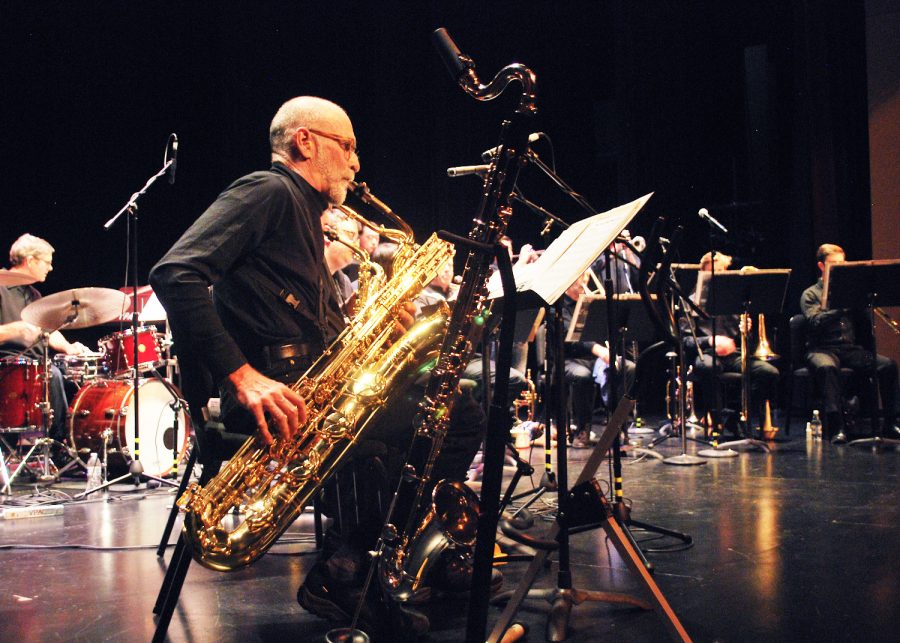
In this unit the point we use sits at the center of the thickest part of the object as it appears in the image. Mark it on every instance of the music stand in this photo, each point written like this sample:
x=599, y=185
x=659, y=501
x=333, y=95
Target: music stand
x=590, y=323
x=749, y=293
x=865, y=284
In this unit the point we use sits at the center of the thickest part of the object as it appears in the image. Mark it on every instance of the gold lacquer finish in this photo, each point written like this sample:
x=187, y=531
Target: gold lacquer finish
x=344, y=389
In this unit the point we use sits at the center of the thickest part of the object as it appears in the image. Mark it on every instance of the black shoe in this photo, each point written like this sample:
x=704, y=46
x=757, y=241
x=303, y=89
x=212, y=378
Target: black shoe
x=407, y=623
x=582, y=440
x=336, y=602
x=840, y=438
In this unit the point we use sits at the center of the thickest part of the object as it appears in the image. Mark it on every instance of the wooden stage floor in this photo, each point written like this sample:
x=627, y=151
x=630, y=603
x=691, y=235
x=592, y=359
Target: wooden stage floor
x=802, y=544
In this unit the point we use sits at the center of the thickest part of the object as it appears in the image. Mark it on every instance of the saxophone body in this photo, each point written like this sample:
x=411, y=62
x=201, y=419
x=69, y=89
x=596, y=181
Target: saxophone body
x=344, y=389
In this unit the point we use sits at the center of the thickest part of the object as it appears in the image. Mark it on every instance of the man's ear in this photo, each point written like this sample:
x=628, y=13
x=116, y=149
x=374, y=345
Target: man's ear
x=303, y=144
x=821, y=265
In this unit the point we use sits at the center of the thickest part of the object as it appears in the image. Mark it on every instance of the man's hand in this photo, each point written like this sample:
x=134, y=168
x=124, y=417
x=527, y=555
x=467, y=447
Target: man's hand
x=406, y=317
x=601, y=351
x=260, y=395
x=724, y=346
x=76, y=348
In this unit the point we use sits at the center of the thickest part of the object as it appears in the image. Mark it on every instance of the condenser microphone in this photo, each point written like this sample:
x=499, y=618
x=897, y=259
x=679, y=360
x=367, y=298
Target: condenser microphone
x=487, y=155
x=703, y=213
x=465, y=170
x=170, y=161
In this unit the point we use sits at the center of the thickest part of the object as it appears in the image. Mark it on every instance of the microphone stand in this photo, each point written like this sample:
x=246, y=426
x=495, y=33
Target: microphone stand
x=715, y=451
x=136, y=469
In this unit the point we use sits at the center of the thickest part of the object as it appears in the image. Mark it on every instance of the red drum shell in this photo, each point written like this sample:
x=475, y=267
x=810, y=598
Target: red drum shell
x=21, y=391
x=103, y=404
x=119, y=351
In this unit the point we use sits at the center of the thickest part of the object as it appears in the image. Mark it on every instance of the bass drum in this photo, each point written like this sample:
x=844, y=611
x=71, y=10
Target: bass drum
x=109, y=404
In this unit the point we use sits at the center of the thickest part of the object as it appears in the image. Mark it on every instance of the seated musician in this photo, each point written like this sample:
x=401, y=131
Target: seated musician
x=843, y=338
x=273, y=312
x=32, y=257
x=581, y=361
x=699, y=340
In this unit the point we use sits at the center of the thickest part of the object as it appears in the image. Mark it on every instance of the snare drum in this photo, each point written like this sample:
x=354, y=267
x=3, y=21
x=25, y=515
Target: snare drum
x=21, y=392
x=79, y=369
x=118, y=351
x=109, y=404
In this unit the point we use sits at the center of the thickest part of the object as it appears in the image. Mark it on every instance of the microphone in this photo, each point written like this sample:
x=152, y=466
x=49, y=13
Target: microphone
x=487, y=155
x=464, y=170
x=703, y=213
x=170, y=160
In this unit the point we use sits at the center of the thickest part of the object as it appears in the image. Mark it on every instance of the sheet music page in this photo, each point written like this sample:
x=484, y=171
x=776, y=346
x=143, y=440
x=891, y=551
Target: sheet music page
x=570, y=254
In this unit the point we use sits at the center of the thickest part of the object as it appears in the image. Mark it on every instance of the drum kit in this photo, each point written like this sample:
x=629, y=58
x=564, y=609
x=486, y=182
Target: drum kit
x=104, y=416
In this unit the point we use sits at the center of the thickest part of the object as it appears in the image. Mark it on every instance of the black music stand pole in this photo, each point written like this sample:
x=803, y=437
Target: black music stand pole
x=842, y=290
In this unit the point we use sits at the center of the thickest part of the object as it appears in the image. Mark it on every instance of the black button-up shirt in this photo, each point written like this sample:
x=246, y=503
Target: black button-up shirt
x=829, y=327
x=260, y=246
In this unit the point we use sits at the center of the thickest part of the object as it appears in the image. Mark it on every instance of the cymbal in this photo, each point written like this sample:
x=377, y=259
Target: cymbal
x=84, y=306
x=15, y=278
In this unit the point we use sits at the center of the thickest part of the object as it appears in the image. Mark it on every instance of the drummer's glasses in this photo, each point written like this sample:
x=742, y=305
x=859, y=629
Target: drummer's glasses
x=346, y=144
x=49, y=262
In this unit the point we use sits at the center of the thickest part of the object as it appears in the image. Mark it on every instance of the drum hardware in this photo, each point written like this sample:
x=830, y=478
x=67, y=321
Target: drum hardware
x=103, y=418
x=48, y=470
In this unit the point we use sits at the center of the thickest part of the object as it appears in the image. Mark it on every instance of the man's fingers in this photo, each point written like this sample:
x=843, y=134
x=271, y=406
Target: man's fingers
x=262, y=426
x=279, y=417
x=299, y=404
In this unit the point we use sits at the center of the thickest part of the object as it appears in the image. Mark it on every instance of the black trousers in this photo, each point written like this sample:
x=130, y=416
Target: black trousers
x=763, y=378
x=825, y=364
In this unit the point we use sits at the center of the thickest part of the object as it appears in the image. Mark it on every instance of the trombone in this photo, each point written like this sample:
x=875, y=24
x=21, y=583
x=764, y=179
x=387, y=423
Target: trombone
x=763, y=352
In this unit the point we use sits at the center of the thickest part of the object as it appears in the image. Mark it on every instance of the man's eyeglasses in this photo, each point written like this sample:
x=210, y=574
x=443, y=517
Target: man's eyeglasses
x=49, y=262
x=346, y=144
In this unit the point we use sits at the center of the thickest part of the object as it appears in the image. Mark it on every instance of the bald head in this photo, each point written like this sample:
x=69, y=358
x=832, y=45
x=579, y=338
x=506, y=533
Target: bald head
x=314, y=137
x=302, y=111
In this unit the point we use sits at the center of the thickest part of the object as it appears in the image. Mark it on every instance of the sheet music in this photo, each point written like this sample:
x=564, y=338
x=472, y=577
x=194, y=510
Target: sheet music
x=570, y=254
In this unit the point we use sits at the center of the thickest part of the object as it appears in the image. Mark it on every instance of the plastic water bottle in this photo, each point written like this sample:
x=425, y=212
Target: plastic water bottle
x=94, y=472
x=815, y=426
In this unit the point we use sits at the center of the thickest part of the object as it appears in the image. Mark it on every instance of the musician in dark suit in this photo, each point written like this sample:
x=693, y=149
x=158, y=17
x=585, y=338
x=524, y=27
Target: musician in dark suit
x=839, y=338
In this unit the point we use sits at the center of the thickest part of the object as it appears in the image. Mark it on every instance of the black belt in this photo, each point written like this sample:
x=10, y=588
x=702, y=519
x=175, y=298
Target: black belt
x=278, y=352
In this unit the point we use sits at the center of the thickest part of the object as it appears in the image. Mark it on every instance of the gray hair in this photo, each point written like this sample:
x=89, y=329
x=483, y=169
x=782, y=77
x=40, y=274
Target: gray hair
x=302, y=111
x=26, y=246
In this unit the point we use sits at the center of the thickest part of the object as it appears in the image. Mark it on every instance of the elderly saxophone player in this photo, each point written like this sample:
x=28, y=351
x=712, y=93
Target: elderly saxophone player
x=274, y=308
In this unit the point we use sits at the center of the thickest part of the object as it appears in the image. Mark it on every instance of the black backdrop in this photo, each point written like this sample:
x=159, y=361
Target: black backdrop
x=752, y=109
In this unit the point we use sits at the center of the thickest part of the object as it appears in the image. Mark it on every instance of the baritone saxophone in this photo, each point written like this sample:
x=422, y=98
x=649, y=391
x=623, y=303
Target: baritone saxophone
x=344, y=389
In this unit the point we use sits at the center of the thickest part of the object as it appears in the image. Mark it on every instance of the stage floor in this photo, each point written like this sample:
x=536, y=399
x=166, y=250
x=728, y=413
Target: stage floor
x=801, y=544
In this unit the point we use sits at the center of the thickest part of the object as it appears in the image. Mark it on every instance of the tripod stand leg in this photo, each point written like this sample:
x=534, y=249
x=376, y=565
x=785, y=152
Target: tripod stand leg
x=558, y=619
x=170, y=522
x=616, y=534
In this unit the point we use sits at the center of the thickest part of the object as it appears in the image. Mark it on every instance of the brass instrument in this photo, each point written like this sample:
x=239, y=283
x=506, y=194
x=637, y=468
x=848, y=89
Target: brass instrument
x=763, y=352
x=344, y=389
x=527, y=400
x=763, y=349
x=405, y=556
x=887, y=319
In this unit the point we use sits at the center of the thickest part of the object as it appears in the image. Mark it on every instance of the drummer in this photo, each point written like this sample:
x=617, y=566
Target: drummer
x=31, y=260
